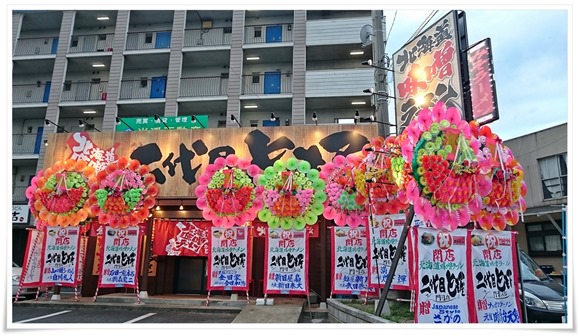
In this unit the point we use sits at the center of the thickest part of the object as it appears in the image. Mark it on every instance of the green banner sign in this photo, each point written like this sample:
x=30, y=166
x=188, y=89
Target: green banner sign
x=149, y=123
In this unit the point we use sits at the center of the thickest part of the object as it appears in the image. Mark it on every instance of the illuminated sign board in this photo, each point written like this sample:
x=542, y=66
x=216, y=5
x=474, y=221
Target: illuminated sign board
x=427, y=70
x=481, y=83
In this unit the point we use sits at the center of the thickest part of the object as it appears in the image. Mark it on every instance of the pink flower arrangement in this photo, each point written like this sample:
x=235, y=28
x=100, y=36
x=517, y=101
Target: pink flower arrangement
x=345, y=203
x=505, y=201
x=227, y=193
x=449, y=172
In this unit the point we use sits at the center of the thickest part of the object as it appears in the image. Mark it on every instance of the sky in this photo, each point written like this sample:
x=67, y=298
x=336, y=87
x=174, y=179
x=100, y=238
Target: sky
x=530, y=54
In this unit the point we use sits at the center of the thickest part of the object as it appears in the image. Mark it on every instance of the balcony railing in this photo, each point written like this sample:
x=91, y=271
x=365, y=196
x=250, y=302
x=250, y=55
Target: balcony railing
x=19, y=194
x=26, y=143
x=203, y=86
x=207, y=37
x=36, y=46
x=267, y=83
x=268, y=33
x=148, y=40
x=143, y=88
x=83, y=91
x=30, y=93
x=91, y=43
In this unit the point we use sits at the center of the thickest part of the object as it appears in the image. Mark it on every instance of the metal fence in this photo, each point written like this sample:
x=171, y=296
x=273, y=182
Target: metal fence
x=84, y=91
x=207, y=37
x=145, y=88
x=30, y=93
x=91, y=43
x=25, y=143
x=148, y=40
x=36, y=46
x=19, y=194
x=268, y=33
x=267, y=83
x=203, y=86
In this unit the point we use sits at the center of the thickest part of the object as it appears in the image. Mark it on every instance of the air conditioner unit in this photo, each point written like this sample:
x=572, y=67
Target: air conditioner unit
x=207, y=24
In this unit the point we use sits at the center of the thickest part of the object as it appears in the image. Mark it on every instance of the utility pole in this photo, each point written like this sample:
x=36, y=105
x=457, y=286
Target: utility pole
x=381, y=102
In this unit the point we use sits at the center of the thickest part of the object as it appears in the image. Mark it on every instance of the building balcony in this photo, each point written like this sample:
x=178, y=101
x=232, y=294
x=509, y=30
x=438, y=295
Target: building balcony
x=275, y=33
x=207, y=37
x=82, y=91
x=267, y=83
x=19, y=194
x=91, y=43
x=148, y=40
x=203, y=86
x=36, y=46
x=146, y=88
x=30, y=93
x=26, y=143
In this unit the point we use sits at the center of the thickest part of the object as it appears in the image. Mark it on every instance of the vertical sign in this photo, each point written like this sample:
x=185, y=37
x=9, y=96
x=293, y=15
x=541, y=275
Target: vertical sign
x=61, y=256
x=286, y=264
x=481, y=83
x=427, y=70
x=349, y=261
x=384, y=235
x=441, y=268
x=494, y=259
x=119, y=257
x=32, y=265
x=229, y=259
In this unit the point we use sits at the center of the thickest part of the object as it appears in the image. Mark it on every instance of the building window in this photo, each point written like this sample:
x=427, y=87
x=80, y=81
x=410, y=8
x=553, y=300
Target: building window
x=148, y=37
x=227, y=30
x=257, y=31
x=255, y=78
x=544, y=240
x=144, y=82
x=221, y=124
x=67, y=85
x=554, y=174
x=74, y=42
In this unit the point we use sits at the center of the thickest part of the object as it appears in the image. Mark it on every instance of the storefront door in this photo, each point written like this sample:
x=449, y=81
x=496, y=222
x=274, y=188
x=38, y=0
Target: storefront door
x=190, y=275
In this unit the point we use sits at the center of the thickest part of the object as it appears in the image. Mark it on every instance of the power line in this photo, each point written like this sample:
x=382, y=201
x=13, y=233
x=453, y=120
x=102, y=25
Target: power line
x=390, y=29
x=429, y=17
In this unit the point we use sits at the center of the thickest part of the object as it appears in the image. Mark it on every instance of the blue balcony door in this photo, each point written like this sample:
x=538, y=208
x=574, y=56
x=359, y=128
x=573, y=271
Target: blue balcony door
x=38, y=140
x=46, y=91
x=272, y=82
x=54, y=45
x=162, y=40
x=273, y=34
x=158, y=87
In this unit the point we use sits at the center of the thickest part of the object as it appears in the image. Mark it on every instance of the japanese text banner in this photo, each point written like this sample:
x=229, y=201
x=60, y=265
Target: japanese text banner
x=349, y=261
x=384, y=235
x=61, y=255
x=494, y=259
x=229, y=259
x=32, y=266
x=181, y=238
x=286, y=264
x=120, y=258
x=441, y=268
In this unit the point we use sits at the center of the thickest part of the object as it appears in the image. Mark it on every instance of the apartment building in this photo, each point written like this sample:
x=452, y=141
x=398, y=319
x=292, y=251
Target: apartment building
x=93, y=68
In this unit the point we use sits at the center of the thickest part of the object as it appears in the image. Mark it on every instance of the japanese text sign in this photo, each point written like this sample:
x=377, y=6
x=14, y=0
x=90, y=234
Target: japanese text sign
x=120, y=257
x=20, y=213
x=61, y=256
x=442, y=276
x=427, y=70
x=481, y=83
x=182, y=238
x=349, y=264
x=229, y=258
x=384, y=234
x=494, y=277
x=286, y=262
x=149, y=123
x=32, y=266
